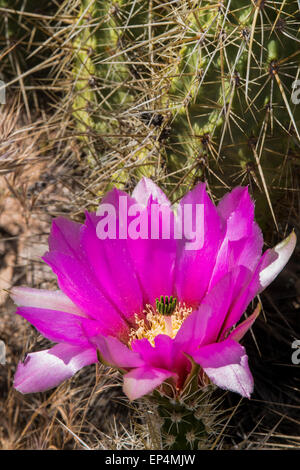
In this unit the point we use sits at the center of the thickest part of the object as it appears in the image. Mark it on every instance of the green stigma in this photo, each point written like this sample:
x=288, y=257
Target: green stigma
x=167, y=305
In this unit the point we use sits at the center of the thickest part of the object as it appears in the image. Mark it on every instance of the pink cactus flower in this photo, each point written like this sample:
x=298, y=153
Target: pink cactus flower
x=149, y=306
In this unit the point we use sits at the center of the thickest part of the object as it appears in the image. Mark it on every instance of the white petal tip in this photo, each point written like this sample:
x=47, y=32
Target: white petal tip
x=277, y=259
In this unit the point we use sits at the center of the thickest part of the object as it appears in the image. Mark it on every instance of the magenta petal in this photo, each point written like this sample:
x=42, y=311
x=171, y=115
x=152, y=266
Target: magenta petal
x=203, y=326
x=145, y=189
x=237, y=210
x=161, y=355
x=249, y=249
x=111, y=262
x=46, y=369
x=243, y=240
x=164, y=357
x=65, y=236
x=194, y=267
x=76, y=280
x=154, y=258
x=243, y=291
x=135, y=270
x=60, y=326
x=42, y=298
x=226, y=364
x=239, y=332
x=143, y=380
x=115, y=353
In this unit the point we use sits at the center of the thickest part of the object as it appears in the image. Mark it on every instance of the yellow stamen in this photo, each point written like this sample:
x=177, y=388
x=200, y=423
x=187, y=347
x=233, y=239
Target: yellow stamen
x=155, y=323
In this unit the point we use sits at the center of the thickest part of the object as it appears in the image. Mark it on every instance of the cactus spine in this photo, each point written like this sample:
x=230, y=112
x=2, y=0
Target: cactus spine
x=176, y=91
x=184, y=419
x=198, y=88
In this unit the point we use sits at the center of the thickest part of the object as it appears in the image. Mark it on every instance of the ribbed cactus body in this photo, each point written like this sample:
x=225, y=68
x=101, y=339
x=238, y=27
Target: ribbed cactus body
x=178, y=91
x=220, y=76
x=235, y=110
x=182, y=424
x=185, y=418
x=102, y=91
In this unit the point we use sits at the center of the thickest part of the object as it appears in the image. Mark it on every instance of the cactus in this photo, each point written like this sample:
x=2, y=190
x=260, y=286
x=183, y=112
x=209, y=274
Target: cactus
x=183, y=423
x=99, y=86
x=186, y=419
x=176, y=91
x=186, y=90
x=182, y=428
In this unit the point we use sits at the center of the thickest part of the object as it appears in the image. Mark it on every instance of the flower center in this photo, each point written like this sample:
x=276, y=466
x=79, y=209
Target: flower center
x=165, y=319
x=167, y=305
